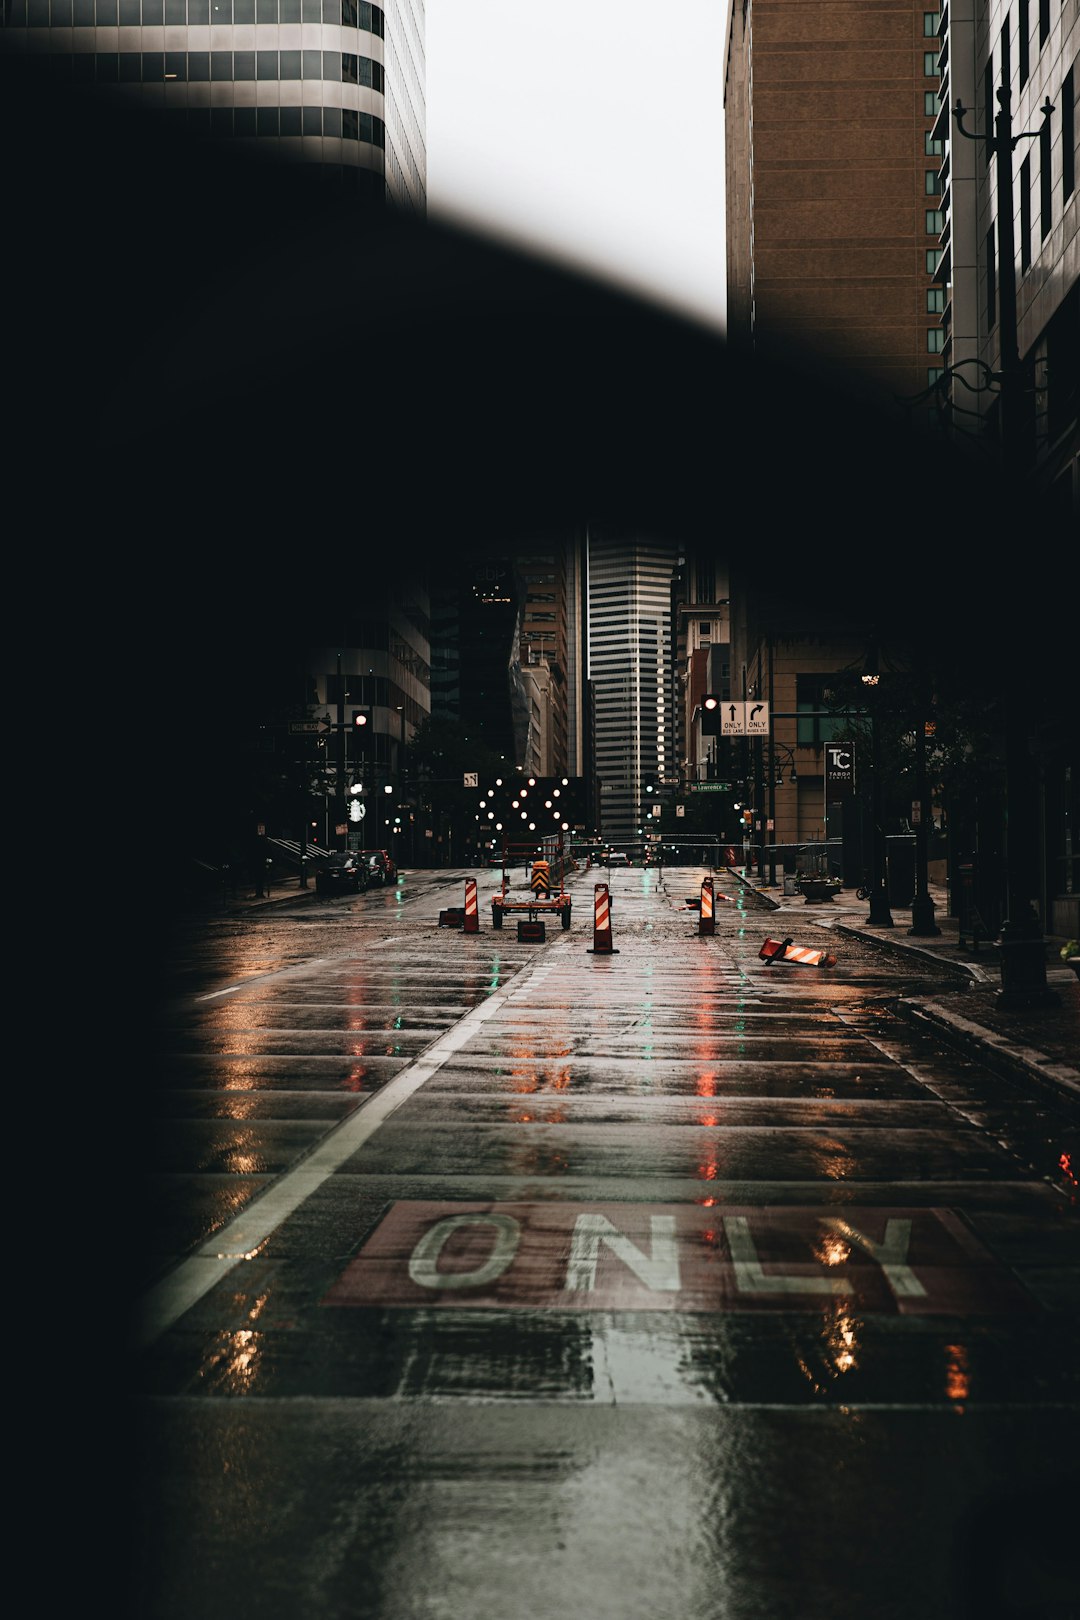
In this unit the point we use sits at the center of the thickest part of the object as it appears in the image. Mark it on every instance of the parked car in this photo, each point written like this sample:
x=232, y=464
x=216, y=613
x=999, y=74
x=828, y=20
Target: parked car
x=380, y=866
x=344, y=872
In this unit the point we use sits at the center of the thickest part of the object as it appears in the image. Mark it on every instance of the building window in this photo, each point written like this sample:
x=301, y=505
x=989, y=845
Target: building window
x=1006, y=55
x=935, y=221
x=1025, y=214
x=929, y=64
x=988, y=107
x=930, y=20
x=933, y=183
x=933, y=259
x=1046, y=180
x=812, y=699
x=931, y=147
x=935, y=300
x=931, y=103
x=991, y=280
x=934, y=375
x=935, y=340
x=1044, y=22
x=1068, y=136
x=1023, y=41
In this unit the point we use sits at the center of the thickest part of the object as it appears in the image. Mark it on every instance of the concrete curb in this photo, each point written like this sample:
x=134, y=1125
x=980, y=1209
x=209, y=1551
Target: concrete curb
x=997, y=1051
x=964, y=1035
x=900, y=947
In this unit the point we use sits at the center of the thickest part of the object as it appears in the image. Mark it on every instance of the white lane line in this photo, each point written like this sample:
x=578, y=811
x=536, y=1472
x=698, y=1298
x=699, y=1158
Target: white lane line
x=242, y=1237
x=346, y=959
x=701, y=1402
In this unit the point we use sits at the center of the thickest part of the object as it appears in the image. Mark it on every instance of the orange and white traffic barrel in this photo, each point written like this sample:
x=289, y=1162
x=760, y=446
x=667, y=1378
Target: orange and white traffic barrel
x=706, y=920
x=602, y=945
x=471, y=924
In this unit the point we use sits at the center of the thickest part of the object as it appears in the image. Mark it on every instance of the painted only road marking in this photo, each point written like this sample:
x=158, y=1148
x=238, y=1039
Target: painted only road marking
x=675, y=1257
x=242, y=1237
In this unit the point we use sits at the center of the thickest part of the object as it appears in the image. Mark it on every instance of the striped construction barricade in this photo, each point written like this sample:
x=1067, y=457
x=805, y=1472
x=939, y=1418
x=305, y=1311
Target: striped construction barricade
x=706, y=919
x=602, y=937
x=471, y=924
x=785, y=950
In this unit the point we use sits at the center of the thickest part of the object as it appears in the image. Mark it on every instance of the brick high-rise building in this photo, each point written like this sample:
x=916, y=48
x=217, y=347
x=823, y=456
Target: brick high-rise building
x=833, y=219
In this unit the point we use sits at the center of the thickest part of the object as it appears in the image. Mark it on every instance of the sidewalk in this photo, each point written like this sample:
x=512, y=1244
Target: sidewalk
x=1035, y=1043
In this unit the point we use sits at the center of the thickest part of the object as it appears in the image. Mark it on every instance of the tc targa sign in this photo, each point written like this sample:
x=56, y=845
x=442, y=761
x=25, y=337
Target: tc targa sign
x=839, y=768
x=675, y=1257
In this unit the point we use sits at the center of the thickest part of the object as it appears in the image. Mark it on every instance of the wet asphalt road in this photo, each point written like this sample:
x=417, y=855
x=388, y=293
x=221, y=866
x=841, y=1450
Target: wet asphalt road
x=490, y=1280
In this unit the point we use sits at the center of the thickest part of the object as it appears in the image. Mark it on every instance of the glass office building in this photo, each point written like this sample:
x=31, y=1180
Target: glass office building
x=334, y=83
x=630, y=666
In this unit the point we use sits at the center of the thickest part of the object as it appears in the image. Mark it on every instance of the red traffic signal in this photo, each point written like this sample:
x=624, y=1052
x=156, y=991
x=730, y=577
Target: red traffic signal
x=710, y=714
x=360, y=718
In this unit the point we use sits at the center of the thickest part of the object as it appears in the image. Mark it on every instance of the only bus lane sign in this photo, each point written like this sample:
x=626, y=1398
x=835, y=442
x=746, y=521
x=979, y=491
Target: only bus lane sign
x=676, y=1257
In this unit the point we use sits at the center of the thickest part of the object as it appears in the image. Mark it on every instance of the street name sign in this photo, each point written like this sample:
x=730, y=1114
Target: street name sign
x=710, y=787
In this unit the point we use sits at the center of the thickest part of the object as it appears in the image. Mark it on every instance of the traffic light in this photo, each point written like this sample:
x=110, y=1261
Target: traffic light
x=360, y=719
x=710, y=714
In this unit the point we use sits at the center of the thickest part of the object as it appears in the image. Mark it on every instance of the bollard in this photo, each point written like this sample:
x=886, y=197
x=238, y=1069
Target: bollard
x=706, y=921
x=601, y=945
x=471, y=924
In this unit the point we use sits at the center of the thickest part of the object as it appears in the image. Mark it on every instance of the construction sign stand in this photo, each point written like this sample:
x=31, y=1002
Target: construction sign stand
x=785, y=950
x=706, y=920
x=471, y=923
x=601, y=939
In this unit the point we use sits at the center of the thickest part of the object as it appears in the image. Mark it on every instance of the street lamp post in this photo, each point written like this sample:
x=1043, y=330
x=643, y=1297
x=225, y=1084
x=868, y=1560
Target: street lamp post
x=922, y=906
x=880, y=915
x=1023, y=947
x=1011, y=373
x=775, y=771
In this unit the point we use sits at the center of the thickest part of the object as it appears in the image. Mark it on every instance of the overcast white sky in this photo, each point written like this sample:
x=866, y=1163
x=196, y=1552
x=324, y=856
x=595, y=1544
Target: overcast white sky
x=591, y=130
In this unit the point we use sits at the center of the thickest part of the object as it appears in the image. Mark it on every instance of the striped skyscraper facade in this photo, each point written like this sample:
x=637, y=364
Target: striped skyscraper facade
x=631, y=670
x=338, y=84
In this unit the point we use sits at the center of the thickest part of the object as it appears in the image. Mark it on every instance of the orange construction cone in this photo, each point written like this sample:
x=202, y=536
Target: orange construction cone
x=601, y=939
x=706, y=921
x=471, y=924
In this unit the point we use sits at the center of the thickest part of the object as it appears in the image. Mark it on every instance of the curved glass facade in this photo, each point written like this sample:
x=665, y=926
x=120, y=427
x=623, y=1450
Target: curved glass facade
x=310, y=75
